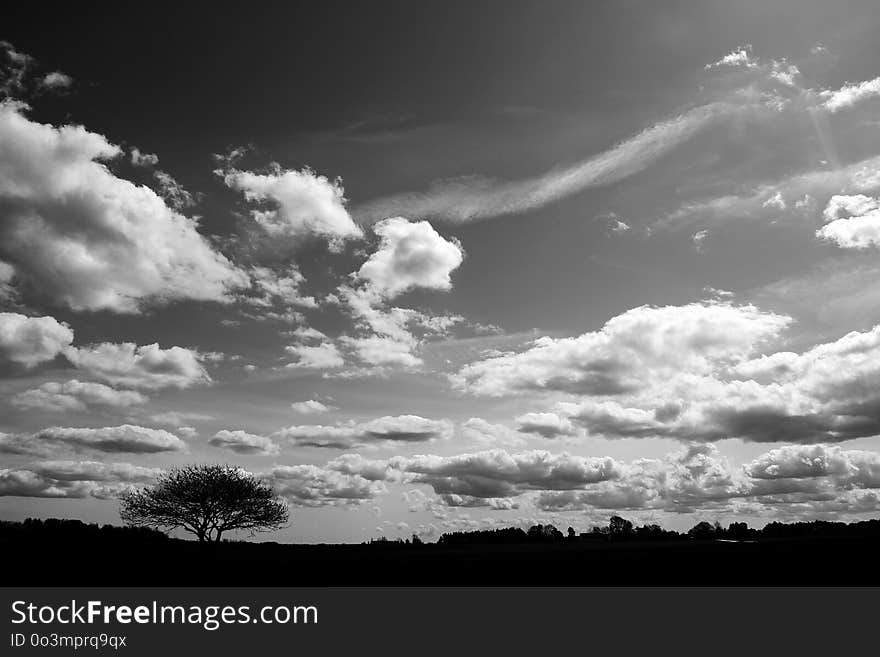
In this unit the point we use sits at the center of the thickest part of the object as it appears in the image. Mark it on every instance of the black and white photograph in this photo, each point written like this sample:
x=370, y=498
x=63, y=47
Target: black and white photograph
x=565, y=293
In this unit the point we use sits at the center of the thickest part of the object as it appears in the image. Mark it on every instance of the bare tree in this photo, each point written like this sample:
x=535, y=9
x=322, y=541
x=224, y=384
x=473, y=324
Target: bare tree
x=205, y=500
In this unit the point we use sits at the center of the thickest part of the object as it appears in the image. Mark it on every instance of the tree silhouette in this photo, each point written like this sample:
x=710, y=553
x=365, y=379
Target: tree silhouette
x=205, y=500
x=619, y=527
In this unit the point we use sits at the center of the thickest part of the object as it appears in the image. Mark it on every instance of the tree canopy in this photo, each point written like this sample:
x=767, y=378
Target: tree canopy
x=205, y=500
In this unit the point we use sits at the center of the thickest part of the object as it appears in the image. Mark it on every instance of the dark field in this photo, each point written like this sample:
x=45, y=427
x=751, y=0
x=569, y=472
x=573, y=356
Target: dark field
x=85, y=555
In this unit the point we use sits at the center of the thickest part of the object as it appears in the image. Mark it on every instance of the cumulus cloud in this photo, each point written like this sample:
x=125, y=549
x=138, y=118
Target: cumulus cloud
x=140, y=159
x=742, y=56
x=148, y=367
x=80, y=236
x=124, y=438
x=309, y=406
x=74, y=395
x=242, y=442
x=847, y=468
x=314, y=486
x=473, y=198
x=640, y=344
x=270, y=288
x=29, y=341
x=321, y=356
x=295, y=203
x=15, y=67
x=410, y=255
x=853, y=222
x=700, y=372
x=850, y=94
x=387, y=429
x=56, y=80
x=74, y=479
x=548, y=425
x=497, y=473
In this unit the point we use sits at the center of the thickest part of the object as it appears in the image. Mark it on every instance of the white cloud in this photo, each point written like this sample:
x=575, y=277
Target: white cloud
x=322, y=356
x=309, y=406
x=80, y=236
x=853, y=222
x=283, y=288
x=56, y=80
x=124, y=438
x=410, y=255
x=479, y=431
x=742, y=56
x=242, y=442
x=472, y=198
x=140, y=159
x=548, y=425
x=496, y=473
x=149, y=367
x=387, y=429
x=312, y=485
x=850, y=94
x=629, y=351
x=74, y=395
x=383, y=350
x=30, y=341
x=846, y=467
x=74, y=479
x=295, y=203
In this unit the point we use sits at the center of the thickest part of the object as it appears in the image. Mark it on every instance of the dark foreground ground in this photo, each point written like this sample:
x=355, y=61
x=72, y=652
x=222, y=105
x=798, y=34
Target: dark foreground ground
x=105, y=558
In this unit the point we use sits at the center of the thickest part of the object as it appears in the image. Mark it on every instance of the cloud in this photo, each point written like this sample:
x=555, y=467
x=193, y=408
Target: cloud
x=547, y=425
x=314, y=486
x=496, y=473
x=410, y=255
x=853, y=222
x=242, y=442
x=74, y=395
x=294, y=203
x=15, y=67
x=846, y=467
x=696, y=477
x=29, y=341
x=700, y=372
x=850, y=95
x=742, y=56
x=74, y=479
x=22, y=444
x=642, y=343
x=322, y=356
x=387, y=429
x=473, y=198
x=124, y=438
x=95, y=471
x=80, y=236
x=140, y=159
x=56, y=80
x=309, y=406
x=479, y=431
x=270, y=288
x=825, y=394
x=148, y=367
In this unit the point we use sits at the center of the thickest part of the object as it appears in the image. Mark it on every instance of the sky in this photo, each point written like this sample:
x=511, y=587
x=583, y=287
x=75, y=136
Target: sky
x=430, y=267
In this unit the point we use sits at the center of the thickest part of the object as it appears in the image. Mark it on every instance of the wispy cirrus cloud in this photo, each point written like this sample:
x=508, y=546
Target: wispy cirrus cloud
x=474, y=198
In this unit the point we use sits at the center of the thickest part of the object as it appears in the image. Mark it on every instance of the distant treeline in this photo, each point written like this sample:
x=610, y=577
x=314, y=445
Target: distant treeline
x=76, y=530
x=619, y=529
